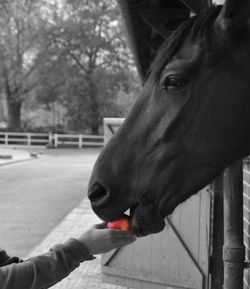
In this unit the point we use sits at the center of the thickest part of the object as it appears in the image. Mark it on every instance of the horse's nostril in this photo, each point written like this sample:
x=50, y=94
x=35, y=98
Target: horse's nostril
x=98, y=193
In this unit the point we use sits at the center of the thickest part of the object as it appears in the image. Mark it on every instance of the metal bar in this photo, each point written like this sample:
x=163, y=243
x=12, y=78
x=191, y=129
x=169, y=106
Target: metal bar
x=233, y=249
x=216, y=262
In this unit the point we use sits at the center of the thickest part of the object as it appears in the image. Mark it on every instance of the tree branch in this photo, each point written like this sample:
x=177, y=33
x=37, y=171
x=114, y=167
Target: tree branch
x=3, y=4
x=78, y=62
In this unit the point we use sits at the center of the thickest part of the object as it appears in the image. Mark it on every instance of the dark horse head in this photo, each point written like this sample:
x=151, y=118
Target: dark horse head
x=190, y=122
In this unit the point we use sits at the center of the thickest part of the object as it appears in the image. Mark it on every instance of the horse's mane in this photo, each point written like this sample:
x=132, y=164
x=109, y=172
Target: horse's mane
x=196, y=26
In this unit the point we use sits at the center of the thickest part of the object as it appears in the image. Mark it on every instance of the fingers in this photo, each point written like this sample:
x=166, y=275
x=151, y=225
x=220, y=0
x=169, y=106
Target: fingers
x=122, y=234
x=100, y=226
x=122, y=242
x=120, y=239
x=115, y=232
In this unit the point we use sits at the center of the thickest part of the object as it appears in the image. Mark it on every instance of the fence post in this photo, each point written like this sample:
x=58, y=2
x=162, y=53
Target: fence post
x=29, y=139
x=50, y=138
x=80, y=141
x=6, y=138
x=56, y=140
x=233, y=249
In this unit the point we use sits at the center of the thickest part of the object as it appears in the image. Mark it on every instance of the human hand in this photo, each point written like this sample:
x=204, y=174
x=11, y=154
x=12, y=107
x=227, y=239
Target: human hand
x=99, y=239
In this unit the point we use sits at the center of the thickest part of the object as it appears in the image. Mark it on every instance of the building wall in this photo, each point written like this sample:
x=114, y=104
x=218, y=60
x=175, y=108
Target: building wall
x=246, y=210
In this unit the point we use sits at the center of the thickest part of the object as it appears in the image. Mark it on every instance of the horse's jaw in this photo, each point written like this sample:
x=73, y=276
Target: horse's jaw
x=144, y=213
x=146, y=219
x=149, y=215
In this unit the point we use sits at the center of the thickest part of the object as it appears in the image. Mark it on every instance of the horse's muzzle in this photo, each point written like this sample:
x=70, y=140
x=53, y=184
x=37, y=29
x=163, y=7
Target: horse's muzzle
x=105, y=203
x=98, y=194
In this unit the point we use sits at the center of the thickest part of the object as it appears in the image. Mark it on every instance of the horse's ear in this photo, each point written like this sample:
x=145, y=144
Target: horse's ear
x=234, y=14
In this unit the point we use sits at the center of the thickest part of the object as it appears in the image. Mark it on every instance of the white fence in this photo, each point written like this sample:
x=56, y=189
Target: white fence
x=50, y=140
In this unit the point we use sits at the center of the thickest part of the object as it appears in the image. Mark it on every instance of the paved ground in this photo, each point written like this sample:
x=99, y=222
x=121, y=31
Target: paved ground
x=36, y=195
x=17, y=155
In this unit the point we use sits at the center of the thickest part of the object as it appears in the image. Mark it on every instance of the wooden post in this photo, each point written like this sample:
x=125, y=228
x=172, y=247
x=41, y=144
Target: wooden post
x=29, y=139
x=50, y=138
x=6, y=138
x=233, y=249
x=55, y=140
x=80, y=141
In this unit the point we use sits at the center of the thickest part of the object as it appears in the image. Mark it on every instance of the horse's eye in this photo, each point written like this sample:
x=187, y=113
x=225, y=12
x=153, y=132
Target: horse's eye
x=173, y=82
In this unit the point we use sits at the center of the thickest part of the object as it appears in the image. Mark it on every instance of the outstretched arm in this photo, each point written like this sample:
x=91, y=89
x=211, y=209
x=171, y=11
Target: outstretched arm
x=45, y=270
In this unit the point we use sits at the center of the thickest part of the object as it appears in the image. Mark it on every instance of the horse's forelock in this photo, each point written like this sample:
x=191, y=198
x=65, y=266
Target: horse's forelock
x=197, y=27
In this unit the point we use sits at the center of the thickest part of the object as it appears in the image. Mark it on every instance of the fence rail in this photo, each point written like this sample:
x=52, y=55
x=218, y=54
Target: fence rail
x=55, y=140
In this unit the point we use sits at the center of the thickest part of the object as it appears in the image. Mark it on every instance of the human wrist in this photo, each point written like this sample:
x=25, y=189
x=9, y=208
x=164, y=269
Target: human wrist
x=78, y=250
x=86, y=243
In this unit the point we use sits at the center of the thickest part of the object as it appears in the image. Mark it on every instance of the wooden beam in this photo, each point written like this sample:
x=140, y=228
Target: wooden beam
x=165, y=14
x=155, y=24
x=155, y=18
x=197, y=6
x=131, y=28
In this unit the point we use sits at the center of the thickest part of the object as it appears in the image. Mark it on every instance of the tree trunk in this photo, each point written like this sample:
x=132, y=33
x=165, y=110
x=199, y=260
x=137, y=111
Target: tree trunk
x=14, y=104
x=94, y=128
x=14, y=114
x=94, y=107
